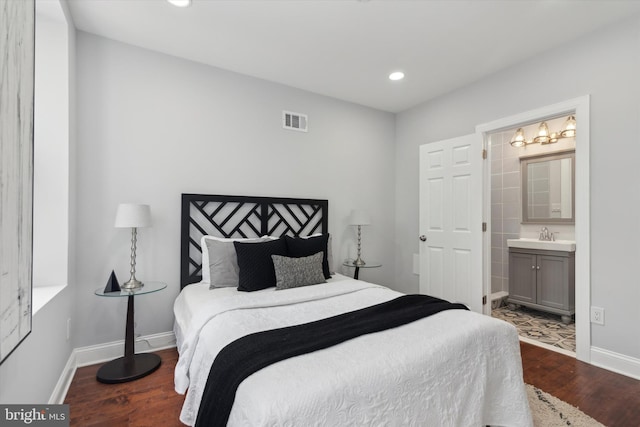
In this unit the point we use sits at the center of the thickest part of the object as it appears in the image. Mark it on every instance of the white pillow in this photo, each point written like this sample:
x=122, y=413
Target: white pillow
x=222, y=263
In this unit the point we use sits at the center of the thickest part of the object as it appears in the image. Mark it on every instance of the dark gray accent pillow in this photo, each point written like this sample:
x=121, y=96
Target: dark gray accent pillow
x=256, y=266
x=296, y=272
x=297, y=247
x=223, y=261
x=329, y=253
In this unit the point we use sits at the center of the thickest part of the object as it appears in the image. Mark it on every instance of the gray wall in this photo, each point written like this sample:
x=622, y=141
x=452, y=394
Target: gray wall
x=605, y=65
x=51, y=148
x=30, y=374
x=152, y=126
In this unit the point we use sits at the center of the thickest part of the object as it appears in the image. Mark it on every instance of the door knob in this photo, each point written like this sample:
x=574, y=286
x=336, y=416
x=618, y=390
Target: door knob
x=423, y=238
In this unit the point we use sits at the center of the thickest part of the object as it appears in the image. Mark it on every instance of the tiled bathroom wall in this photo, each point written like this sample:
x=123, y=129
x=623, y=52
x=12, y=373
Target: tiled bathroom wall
x=505, y=206
x=539, y=196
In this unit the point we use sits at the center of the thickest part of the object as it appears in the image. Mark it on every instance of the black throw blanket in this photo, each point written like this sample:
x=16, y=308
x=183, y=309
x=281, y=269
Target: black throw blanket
x=253, y=352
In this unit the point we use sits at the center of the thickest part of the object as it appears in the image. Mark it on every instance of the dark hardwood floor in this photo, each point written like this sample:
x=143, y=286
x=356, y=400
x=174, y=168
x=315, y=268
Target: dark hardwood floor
x=149, y=401
x=612, y=399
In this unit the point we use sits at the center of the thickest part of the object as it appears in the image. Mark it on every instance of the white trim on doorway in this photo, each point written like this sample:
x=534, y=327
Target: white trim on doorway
x=580, y=107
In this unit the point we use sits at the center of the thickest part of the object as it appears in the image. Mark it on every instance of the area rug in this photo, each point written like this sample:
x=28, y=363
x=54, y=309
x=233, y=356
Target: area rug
x=549, y=411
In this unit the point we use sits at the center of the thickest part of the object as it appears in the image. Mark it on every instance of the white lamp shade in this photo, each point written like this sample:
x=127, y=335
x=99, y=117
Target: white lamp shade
x=133, y=215
x=359, y=217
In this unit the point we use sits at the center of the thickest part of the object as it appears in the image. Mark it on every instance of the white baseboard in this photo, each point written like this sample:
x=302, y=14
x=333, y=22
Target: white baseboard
x=90, y=355
x=99, y=353
x=498, y=295
x=62, y=387
x=616, y=362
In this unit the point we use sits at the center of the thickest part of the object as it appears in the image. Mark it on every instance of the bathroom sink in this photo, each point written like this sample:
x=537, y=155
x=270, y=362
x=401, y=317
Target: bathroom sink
x=556, y=245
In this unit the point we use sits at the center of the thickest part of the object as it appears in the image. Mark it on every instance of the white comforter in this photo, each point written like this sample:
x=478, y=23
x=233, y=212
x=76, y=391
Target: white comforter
x=454, y=368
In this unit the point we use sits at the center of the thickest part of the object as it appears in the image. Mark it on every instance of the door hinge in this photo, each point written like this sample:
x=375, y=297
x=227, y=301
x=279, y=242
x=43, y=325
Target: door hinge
x=484, y=153
x=484, y=300
x=484, y=226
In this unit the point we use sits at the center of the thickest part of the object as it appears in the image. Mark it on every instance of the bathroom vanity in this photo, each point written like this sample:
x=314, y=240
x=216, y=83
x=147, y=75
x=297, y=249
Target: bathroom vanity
x=542, y=275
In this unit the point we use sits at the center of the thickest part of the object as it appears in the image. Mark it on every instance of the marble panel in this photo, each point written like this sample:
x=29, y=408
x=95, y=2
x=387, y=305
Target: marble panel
x=17, y=47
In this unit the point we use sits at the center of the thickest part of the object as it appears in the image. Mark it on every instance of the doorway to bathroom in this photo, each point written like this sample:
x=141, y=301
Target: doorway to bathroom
x=511, y=218
x=539, y=206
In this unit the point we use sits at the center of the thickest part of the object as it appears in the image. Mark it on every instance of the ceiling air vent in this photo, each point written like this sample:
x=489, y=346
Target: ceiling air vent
x=294, y=121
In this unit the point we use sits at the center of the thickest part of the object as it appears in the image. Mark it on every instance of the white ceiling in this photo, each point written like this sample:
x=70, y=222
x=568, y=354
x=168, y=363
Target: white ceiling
x=346, y=48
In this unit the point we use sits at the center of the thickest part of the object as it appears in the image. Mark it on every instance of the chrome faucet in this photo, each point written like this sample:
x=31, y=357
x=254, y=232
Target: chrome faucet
x=545, y=234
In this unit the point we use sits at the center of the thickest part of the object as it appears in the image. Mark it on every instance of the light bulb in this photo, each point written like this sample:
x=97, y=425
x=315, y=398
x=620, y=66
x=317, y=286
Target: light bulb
x=396, y=75
x=180, y=3
x=543, y=134
x=569, y=130
x=518, y=139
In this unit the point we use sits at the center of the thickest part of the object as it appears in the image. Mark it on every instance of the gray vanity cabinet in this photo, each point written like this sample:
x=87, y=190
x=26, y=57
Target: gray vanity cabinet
x=522, y=277
x=544, y=280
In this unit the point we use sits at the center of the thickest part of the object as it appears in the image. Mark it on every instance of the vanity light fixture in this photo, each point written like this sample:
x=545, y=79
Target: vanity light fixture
x=396, y=75
x=180, y=3
x=544, y=136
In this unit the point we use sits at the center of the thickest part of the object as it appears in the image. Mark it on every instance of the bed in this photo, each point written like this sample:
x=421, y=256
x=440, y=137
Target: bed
x=453, y=368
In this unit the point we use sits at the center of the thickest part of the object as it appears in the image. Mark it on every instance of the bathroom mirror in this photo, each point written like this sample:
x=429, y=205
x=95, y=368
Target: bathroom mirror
x=548, y=188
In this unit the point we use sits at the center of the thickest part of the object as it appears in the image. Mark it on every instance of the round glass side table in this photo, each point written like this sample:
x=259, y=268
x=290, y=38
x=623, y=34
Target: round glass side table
x=358, y=267
x=131, y=366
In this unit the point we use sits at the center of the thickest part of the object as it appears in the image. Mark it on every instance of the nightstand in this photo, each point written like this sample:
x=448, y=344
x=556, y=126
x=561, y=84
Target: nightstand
x=358, y=267
x=131, y=366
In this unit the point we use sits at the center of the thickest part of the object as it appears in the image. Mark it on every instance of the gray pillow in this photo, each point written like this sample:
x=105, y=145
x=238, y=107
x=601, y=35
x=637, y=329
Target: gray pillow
x=296, y=272
x=223, y=262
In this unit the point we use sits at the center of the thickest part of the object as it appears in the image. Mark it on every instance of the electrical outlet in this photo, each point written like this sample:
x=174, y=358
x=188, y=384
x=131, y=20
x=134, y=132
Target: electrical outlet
x=597, y=315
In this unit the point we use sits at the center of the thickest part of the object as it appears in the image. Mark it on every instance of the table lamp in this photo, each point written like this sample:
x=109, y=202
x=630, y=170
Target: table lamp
x=359, y=218
x=134, y=216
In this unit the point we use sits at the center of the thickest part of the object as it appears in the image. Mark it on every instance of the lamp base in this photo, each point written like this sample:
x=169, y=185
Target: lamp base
x=132, y=284
x=359, y=262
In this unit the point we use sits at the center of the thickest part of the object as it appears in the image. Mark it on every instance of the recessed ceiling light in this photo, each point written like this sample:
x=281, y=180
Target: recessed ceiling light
x=180, y=3
x=396, y=75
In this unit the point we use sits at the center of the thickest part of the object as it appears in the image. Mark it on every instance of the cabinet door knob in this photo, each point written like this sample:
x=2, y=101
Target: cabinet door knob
x=538, y=268
x=533, y=267
x=423, y=238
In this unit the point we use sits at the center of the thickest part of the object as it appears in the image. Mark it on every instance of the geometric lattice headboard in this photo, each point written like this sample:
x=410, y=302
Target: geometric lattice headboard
x=242, y=216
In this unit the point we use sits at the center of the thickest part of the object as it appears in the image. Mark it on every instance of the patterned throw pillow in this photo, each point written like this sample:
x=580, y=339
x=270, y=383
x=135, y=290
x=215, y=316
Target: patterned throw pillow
x=296, y=272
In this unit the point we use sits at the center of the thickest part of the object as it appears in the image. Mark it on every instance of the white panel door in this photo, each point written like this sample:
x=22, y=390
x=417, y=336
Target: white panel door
x=451, y=220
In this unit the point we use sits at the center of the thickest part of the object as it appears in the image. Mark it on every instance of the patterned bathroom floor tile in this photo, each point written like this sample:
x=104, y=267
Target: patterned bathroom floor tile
x=544, y=327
